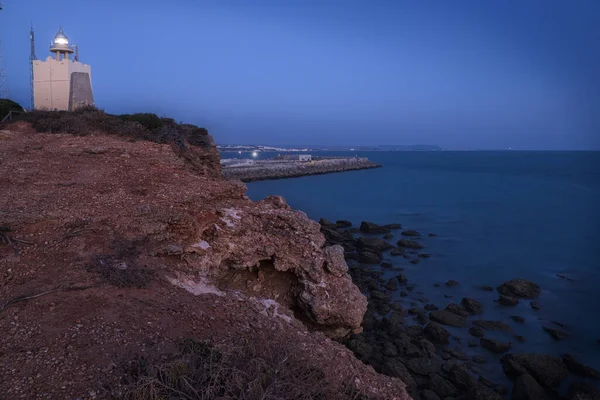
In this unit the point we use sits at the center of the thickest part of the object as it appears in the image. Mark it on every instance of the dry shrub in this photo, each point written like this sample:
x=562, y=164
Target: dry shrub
x=198, y=370
x=119, y=272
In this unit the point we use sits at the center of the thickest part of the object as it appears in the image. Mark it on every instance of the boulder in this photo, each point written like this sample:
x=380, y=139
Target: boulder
x=424, y=255
x=362, y=350
x=341, y=223
x=392, y=284
x=326, y=223
x=403, y=293
x=388, y=236
x=507, y=301
x=457, y=309
x=393, y=367
x=479, y=359
x=448, y=318
x=555, y=333
x=375, y=245
x=398, y=251
x=387, y=264
x=547, y=370
x=482, y=392
x=389, y=350
x=493, y=326
x=442, y=387
x=424, y=365
x=580, y=369
x=519, y=288
x=429, y=395
x=411, y=233
x=402, y=279
x=486, y=288
x=583, y=391
x=393, y=226
x=369, y=227
x=476, y=331
x=460, y=376
x=431, y=307
x=472, y=306
x=367, y=257
x=535, y=305
x=436, y=333
x=415, y=261
x=452, y=283
x=527, y=388
x=518, y=319
x=409, y=244
x=494, y=346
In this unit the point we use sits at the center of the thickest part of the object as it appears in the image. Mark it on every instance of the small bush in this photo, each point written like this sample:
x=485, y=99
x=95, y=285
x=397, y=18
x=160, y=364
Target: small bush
x=7, y=105
x=148, y=120
x=198, y=370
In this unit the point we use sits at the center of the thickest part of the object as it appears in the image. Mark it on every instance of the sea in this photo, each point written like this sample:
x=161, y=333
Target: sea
x=498, y=215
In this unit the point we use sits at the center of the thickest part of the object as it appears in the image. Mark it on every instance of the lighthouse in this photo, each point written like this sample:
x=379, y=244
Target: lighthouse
x=61, y=83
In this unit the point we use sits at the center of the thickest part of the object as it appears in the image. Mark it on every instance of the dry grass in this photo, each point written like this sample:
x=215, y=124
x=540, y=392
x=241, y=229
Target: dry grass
x=200, y=371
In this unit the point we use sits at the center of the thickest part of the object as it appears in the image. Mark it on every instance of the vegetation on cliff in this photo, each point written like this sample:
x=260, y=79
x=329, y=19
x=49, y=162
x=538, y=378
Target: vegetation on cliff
x=7, y=105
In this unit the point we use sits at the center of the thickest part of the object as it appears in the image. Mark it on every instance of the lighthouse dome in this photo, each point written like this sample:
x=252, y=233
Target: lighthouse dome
x=61, y=39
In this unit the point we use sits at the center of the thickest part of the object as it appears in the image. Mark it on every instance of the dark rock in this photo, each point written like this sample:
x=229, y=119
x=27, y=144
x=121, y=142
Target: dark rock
x=452, y=283
x=397, y=307
x=436, y=333
x=388, y=236
x=547, y=370
x=508, y=301
x=369, y=227
x=410, y=233
x=409, y=244
x=389, y=350
x=518, y=319
x=340, y=223
x=520, y=338
x=479, y=359
x=580, y=369
x=402, y=278
x=558, y=324
x=431, y=307
x=393, y=323
x=411, y=287
x=527, y=388
x=442, y=387
x=398, y=251
x=495, y=346
x=415, y=331
x=429, y=395
x=374, y=245
x=555, y=333
x=403, y=293
x=457, y=309
x=326, y=223
x=482, y=392
x=427, y=347
x=378, y=295
x=415, y=261
x=394, y=367
x=386, y=264
x=362, y=350
x=352, y=230
x=458, y=354
x=493, y=326
x=392, y=284
x=424, y=365
x=367, y=257
x=448, y=318
x=535, y=305
x=344, y=239
x=421, y=319
x=472, y=306
x=447, y=296
x=437, y=285
x=567, y=278
x=432, y=234
x=460, y=376
x=486, y=288
x=476, y=331
x=519, y=288
x=424, y=255
x=393, y=226
x=583, y=391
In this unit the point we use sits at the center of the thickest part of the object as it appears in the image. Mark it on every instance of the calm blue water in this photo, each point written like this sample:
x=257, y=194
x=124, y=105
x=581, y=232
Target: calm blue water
x=499, y=215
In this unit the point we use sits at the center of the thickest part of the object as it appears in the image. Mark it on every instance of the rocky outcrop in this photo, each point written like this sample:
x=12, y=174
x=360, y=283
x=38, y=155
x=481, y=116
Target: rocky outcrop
x=519, y=288
x=547, y=370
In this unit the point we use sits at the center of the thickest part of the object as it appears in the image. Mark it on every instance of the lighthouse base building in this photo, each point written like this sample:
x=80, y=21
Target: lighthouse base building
x=61, y=84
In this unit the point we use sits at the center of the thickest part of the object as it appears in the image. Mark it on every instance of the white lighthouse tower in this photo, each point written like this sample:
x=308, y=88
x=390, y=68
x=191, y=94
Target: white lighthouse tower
x=60, y=83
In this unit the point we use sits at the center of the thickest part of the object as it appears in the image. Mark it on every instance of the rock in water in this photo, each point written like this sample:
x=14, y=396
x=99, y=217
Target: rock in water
x=535, y=305
x=493, y=326
x=476, y=331
x=452, y=283
x=340, y=223
x=375, y=245
x=555, y=333
x=508, y=301
x=518, y=319
x=409, y=244
x=424, y=365
x=367, y=257
x=442, y=387
x=397, y=252
x=583, y=391
x=411, y=232
x=527, y=388
x=580, y=369
x=369, y=227
x=388, y=236
x=461, y=377
x=472, y=306
x=326, y=223
x=547, y=370
x=436, y=333
x=456, y=309
x=519, y=288
x=393, y=226
x=494, y=346
x=448, y=318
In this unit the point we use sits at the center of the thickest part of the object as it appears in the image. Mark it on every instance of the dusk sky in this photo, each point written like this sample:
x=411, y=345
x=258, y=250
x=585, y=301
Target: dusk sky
x=480, y=74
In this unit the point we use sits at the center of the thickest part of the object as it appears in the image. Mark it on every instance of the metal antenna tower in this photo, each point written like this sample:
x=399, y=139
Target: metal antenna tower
x=32, y=58
x=4, y=92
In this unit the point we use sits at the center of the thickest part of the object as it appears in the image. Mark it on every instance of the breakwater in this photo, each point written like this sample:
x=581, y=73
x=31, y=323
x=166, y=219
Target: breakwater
x=259, y=170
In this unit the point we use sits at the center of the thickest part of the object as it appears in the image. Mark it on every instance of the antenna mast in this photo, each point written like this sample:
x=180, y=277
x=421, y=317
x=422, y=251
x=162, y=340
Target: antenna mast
x=4, y=92
x=32, y=58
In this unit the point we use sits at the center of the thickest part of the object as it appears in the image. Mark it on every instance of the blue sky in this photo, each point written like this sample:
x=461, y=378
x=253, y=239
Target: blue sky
x=464, y=73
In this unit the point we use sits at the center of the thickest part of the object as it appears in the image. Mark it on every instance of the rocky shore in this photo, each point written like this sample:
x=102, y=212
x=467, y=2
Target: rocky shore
x=442, y=351
x=276, y=169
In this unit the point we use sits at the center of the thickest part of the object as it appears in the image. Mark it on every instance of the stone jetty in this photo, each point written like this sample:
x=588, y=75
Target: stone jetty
x=259, y=170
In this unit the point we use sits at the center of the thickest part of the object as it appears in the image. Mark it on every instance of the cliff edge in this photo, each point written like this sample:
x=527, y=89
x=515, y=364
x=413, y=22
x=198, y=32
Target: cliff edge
x=113, y=249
